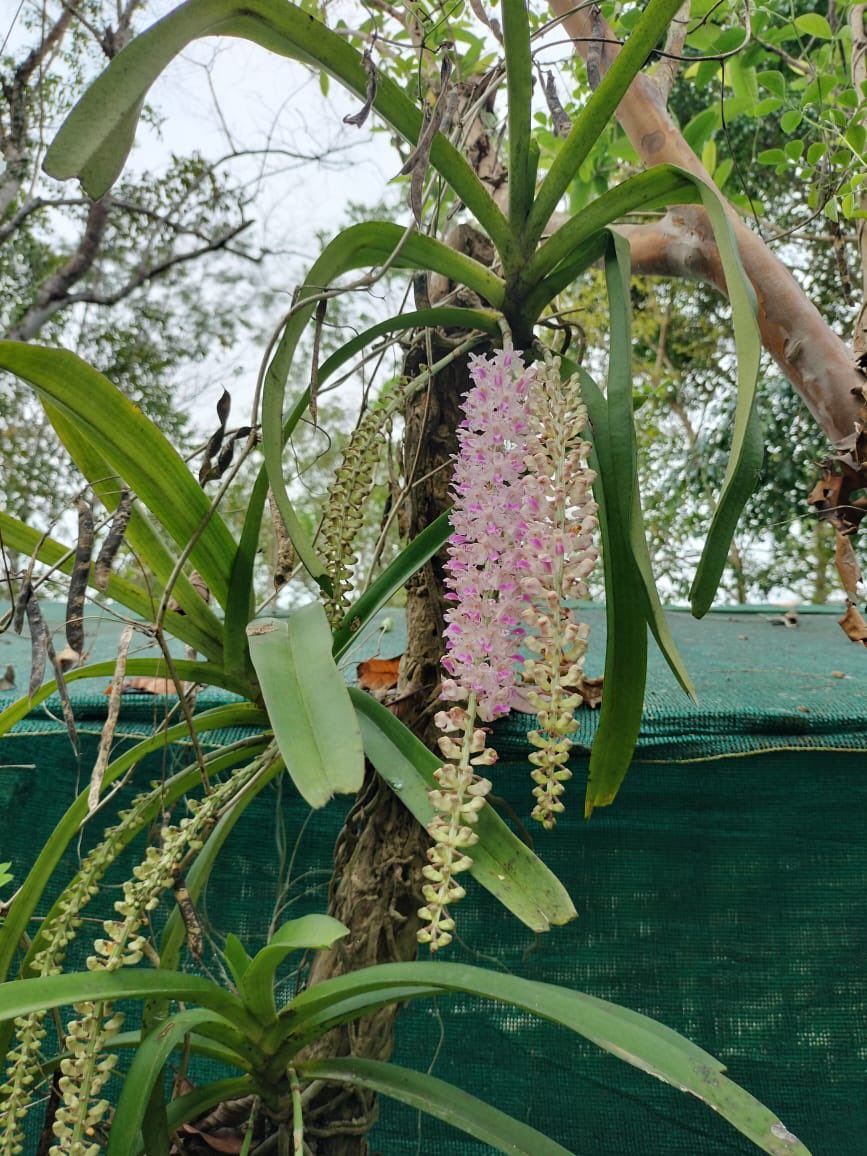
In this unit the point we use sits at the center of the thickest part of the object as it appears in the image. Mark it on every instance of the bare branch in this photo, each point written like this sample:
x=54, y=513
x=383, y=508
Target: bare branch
x=54, y=294
x=669, y=66
x=34, y=205
x=151, y=273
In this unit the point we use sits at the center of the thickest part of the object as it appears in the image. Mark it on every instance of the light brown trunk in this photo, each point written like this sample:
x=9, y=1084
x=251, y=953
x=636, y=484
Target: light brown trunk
x=812, y=356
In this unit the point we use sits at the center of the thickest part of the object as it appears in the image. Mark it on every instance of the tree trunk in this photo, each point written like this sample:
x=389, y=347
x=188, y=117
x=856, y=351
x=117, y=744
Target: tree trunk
x=376, y=885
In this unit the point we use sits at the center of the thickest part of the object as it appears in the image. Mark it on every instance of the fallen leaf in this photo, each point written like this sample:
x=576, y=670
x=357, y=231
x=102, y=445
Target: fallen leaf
x=839, y=674
x=145, y=685
x=377, y=675
x=788, y=619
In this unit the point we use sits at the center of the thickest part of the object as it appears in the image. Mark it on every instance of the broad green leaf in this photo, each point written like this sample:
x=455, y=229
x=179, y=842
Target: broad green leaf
x=502, y=864
x=308, y=703
x=98, y=134
x=257, y=983
x=600, y=107
x=436, y=1098
x=628, y=1035
x=411, y=559
x=145, y=1071
x=134, y=448
x=814, y=24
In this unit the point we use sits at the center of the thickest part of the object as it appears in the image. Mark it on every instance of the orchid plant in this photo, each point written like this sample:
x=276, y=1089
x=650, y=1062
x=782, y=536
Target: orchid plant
x=538, y=436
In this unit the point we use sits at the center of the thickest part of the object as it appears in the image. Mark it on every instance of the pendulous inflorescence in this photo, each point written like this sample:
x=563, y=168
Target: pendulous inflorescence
x=521, y=550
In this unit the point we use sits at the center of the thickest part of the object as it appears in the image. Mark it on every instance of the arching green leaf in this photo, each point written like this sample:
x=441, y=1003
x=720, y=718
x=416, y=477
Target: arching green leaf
x=97, y=135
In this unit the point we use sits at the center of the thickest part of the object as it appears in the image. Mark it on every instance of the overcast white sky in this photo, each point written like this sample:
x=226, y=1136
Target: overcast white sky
x=226, y=95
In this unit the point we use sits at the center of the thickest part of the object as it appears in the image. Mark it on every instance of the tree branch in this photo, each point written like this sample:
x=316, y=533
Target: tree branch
x=54, y=294
x=809, y=353
x=152, y=273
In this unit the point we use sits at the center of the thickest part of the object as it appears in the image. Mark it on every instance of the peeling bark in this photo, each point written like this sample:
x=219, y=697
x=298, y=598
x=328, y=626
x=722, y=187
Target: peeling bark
x=809, y=353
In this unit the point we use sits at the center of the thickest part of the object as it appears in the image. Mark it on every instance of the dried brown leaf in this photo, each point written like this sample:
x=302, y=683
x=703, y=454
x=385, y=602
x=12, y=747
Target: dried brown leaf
x=113, y=541
x=107, y=737
x=591, y=691
x=854, y=626
x=79, y=578
x=378, y=675
x=847, y=564
x=358, y=118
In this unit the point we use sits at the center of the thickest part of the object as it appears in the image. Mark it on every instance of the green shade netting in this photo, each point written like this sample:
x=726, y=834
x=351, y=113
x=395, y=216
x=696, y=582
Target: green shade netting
x=724, y=895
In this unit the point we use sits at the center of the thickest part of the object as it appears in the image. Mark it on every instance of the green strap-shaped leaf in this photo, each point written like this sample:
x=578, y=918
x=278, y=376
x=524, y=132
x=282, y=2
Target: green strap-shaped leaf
x=133, y=447
x=626, y=1034
x=653, y=611
x=438, y=317
x=308, y=703
x=236, y=956
x=145, y=1071
x=626, y=634
x=198, y=672
x=436, y=1098
x=655, y=188
x=98, y=134
x=502, y=864
x=256, y=988
x=519, y=98
x=20, y=997
x=587, y=127
x=745, y=457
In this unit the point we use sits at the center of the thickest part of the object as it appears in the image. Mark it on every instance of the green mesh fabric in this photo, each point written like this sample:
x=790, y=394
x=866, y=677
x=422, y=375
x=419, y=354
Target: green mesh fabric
x=723, y=895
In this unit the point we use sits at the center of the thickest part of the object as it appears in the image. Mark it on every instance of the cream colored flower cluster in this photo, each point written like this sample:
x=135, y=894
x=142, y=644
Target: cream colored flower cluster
x=522, y=548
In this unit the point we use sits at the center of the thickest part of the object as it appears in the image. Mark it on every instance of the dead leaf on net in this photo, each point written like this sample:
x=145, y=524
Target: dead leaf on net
x=147, y=685
x=378, y=675
x=854, y=626
x=789, y=619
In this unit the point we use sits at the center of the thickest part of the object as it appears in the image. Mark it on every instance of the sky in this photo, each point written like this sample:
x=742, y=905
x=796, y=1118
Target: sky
x=226, y=96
